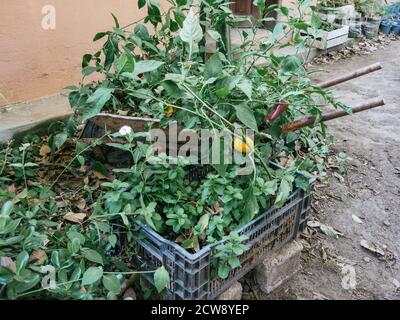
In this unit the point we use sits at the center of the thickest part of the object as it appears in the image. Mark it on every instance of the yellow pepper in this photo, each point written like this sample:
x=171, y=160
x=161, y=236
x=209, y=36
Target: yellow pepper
x=240, y=146
x=169, y=110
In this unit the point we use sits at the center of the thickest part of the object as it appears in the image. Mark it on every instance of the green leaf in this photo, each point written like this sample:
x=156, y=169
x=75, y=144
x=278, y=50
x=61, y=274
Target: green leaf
x=223, y=271
x=291, y=64
x=120, y=32
x=55, y=259
x=125, y=219
x=112, y=239
x=6, y=209
x=203, y=222
x=99, y=36
x=214, y=35
x=115, y=20
x=234, y=262
x=142, y=32
x=213, y=67
x=21, y=261
x=86, y=59
x=10, y=226
x=222, y=92
x=141, y=3
x=161, y=279
x=93, y=256
x=147, y=66
x=87, y=71
x=103, y=226
x=270, y=187
x=302, y=182
x=285, y=189
x=172, y=89
x=284, y=10
x=75, y=276
x=6, y=275
x=246, y=116
x=28, y=281
x=92, y=275
x=11, y=241
x=315, y=21
x=125, y=63
x=191, y=31
x=96, y=102
x=111, y=283
x=261, y=6
x=74, y=246
x=150, y=222
x=302, y=26
x=59, y=140
x=246, y=86
x=188, y=243
x=250, y=205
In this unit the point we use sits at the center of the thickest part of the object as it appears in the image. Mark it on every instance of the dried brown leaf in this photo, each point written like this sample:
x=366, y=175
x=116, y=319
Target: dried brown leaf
x=38, y=257
x=86, y=180
x=75, y=217
x=80, y=203
x=12, y=189
x=44, y=150
x=100, y=176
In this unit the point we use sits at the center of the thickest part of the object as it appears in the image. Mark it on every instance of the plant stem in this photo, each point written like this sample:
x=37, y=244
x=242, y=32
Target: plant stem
x=73, y=159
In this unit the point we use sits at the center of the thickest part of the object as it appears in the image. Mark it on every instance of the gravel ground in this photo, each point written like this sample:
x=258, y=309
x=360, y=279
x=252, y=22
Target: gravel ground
x=369, y=191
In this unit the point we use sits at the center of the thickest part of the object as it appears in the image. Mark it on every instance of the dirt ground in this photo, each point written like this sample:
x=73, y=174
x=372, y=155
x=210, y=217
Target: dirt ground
x=370, y=190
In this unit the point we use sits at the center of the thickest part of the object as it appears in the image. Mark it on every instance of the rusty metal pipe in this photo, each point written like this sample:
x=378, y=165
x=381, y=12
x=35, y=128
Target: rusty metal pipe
x=332, y=114
x=351, y=75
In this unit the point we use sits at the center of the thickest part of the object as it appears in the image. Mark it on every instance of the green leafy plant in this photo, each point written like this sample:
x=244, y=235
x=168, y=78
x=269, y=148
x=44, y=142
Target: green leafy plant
x=227, y=254
x=166, y=76
x=370, y=8
x=63, y=211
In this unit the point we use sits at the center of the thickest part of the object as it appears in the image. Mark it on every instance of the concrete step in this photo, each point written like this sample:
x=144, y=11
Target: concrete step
x=32, y=116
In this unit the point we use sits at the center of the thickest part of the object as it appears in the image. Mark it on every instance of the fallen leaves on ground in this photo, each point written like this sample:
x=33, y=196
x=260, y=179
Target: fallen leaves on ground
x=44, y=150
x=372, y=247
x=330, y=231
x=361, y=46
x=75, y=217
x=356, y=219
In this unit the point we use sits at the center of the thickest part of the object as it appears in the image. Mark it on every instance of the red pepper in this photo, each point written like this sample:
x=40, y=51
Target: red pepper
x=277, y=110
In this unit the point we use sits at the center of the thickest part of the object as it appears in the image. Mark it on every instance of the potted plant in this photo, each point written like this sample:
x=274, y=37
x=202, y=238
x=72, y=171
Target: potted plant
x=162, y=77
x=372, y=10
x=331, y=10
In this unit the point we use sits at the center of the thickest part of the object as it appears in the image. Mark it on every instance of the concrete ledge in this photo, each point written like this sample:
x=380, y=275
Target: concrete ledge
x=234, y=292
x=32, y=116
x=279, y=267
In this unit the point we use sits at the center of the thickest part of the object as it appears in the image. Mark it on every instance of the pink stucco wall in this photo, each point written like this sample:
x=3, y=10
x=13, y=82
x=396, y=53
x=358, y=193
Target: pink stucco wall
x=35, y=62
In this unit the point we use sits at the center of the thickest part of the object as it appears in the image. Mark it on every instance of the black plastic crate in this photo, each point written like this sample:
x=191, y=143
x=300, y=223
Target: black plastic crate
x=190, y=274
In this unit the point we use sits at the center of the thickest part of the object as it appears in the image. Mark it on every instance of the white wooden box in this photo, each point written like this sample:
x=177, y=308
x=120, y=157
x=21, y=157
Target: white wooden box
x=328, y=39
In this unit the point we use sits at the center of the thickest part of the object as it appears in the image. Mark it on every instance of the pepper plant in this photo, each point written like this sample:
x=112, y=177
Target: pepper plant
x=165, y=74
x=65, y=216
